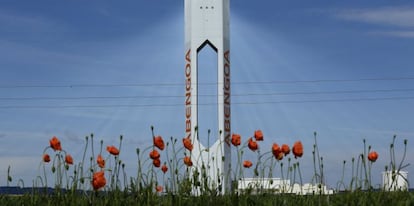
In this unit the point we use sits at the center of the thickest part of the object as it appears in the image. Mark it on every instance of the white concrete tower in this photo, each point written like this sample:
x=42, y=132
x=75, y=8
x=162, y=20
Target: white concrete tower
x=207, y=23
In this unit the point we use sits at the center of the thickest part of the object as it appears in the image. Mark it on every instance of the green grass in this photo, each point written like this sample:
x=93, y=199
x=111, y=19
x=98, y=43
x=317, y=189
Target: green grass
x=356, y=198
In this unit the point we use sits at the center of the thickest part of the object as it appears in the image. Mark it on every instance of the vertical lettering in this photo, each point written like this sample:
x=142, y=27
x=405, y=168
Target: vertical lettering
x=188, y=94
x=226, y=88
x=187, y=56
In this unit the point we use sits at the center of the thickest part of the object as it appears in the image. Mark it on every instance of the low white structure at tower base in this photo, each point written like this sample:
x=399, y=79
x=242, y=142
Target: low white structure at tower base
x=279, y=186
x=395, y=180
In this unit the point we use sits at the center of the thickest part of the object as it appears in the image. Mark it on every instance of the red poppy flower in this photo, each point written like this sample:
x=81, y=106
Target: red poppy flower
x=156, y=162
x=100, y=161
x=258, y=135
x=159, y=188
x=112, y=150
x=252, y=145
x=236, y=139
x=247, y=164
x=297, y=149
x=277, y=151
x=187, y=144
x=187, y=161
x=373, y=156
x=164, y=168
x=154, y=154
x=46, y=158
x=55, y=144
x=159, y=142
x=69, y=159
x=285, y=149
x=98, y=180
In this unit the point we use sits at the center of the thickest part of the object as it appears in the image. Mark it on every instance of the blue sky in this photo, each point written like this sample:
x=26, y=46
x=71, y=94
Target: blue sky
x=343, y=69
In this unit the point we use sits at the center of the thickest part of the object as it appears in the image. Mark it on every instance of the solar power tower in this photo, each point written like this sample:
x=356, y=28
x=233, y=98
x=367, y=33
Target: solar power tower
x=207, y=24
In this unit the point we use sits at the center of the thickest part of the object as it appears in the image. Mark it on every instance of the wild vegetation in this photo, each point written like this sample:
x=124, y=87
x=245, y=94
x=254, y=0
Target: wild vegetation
x=96, y=182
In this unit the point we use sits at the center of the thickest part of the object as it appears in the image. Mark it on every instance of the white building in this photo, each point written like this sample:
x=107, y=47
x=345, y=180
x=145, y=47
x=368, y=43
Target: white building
x=395, y=180
x=279, y=186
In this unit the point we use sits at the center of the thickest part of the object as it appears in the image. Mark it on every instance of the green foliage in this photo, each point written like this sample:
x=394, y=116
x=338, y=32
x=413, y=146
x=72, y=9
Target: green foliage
x=177, y=186
x=123, y=198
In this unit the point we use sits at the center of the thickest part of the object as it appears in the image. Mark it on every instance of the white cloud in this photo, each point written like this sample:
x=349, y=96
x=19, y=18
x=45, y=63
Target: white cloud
x=392, y=21
x=384, y=133
x=403, y=34
x=392, y=16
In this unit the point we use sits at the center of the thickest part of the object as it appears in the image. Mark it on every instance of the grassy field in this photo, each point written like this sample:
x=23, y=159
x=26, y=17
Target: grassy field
x=120, y=198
